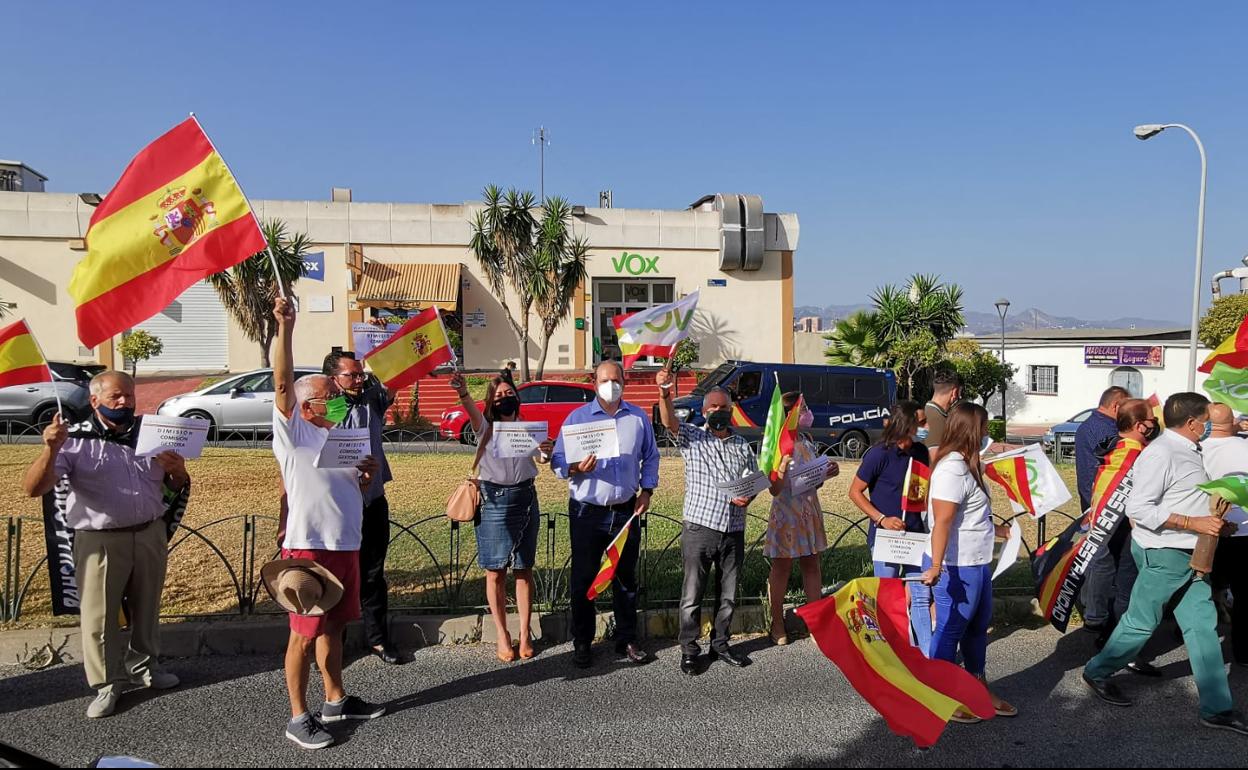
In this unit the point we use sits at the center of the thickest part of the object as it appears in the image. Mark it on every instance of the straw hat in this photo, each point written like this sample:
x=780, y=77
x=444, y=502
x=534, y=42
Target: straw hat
x=301, y=586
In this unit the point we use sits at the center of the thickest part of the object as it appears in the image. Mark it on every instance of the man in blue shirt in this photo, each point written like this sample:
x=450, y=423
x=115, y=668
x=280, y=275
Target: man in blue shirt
x=1097, y=435
x=604, y=496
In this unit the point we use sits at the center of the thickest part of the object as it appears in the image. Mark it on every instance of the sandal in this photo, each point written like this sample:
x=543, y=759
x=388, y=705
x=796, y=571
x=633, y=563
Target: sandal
x=1004, y=710
x=526, y=650
x=964, y=718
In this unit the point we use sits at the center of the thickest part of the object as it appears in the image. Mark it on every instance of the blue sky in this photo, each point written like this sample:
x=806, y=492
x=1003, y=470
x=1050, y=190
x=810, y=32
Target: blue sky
x=987, y=142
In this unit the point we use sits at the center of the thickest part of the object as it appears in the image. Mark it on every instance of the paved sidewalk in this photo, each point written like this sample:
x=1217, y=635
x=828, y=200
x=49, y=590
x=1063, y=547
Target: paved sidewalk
x=458, y=706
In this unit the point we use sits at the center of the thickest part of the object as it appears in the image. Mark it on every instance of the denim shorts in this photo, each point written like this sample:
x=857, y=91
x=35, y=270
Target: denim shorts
x=508, y=527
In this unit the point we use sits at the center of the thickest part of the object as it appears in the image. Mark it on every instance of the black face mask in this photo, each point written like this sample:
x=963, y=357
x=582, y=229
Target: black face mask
x=719, y=421
x=1153, y=433
x=507, y=407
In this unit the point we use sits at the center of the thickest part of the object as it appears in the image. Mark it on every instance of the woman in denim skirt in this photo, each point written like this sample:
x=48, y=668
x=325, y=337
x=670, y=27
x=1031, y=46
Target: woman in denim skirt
x=510, y=520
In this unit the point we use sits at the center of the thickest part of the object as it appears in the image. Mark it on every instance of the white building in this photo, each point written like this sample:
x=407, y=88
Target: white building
x=1061, y=372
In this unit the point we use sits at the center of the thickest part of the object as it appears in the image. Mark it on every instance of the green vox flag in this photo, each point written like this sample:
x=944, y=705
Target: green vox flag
x=1232, y=488
x=1229, y=386
x=769, y=452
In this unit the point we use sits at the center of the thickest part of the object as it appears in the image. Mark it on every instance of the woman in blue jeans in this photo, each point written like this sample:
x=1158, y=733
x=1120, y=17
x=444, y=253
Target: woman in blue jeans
x=959, y=557
x=882, y=476
x=510, y=520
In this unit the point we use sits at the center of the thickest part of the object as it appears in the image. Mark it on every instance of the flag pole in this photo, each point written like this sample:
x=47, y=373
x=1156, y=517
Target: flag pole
x=59, y=408
x=281, y=287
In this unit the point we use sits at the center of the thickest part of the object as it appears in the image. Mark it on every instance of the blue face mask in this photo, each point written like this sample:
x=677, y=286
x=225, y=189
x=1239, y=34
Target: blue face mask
x=1208, y=430
x=922, y=434
x=118, y=417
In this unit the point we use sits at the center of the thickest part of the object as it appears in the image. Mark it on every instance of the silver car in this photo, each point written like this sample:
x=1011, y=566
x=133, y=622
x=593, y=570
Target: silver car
x=241, y=401
x=32, y=406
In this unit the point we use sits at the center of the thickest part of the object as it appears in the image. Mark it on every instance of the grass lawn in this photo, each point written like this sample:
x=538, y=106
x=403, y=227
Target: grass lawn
x=423, y=568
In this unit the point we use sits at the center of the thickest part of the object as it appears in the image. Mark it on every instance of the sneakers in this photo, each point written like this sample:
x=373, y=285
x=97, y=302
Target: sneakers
x=350, y=707
x=1229, y=720
x=308, y=732
x=104, y=705
x=155, y=679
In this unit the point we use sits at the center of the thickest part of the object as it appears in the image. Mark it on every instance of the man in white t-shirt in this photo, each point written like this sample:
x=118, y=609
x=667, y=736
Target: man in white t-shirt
x=326, y=507
x=1226, y=454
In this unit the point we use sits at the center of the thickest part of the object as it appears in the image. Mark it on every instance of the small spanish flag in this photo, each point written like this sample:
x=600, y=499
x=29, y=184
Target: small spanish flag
x=865, y=630
x=918, y=480
x=780, y=435
x=175, y=217
x=740, y=419
x=1011, y=474
x=610, y=560
x=1233, y=351
x=1154, y=403
x=415, y=350
x=21, y=361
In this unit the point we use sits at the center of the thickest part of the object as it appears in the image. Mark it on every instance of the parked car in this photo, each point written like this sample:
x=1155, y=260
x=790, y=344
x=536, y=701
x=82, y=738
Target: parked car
x=242, y=401
x=849, y=402
x=33, y=405
x=1065, y=432
x=543, y=401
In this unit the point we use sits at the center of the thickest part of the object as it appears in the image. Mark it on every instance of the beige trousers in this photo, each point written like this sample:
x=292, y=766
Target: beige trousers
x=110, y=566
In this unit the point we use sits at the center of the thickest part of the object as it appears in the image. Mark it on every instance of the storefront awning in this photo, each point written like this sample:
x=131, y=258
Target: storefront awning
x=402, y=285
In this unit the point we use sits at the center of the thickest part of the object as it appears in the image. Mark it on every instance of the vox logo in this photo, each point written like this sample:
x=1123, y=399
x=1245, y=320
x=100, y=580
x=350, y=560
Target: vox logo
x=635, y=264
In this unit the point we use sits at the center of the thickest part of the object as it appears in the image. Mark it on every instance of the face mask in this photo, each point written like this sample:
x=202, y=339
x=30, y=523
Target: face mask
x=507, y=406
x=610, y=392
x=1152, y=433
x=119, y=417
x=922, y=434
x=336, y=409
x=1208, y=430
x=719, y=421
x=986, y=444
x=806, y=419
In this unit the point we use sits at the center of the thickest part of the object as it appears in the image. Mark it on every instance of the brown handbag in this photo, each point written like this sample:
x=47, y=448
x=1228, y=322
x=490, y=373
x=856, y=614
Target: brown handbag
x=465, y=501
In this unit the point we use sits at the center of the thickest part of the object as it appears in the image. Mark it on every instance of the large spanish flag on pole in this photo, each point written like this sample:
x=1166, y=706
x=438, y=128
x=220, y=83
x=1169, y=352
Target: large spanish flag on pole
x=21, y=360
x=175, y=217
x=865, y=630
x=415, y=350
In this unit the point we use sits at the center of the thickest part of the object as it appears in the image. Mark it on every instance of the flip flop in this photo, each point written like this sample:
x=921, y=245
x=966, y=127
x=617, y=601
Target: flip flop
x=1009, y=712
x=969, y=719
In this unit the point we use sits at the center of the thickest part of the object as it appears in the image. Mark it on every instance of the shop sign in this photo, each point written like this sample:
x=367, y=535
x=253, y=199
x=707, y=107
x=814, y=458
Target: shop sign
x=1148, y=356
x=635, y=264
x=717, y=283
x=314, y=266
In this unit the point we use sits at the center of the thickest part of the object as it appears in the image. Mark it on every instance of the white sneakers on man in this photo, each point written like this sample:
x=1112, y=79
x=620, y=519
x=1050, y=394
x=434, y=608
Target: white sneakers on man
x=105, y=703
x=155, y=679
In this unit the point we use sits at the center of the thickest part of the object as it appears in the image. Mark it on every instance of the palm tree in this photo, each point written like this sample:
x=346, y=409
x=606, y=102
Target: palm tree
x=561, y=258
x=855, y=341
x=247, y=290
x=926, y=304
x=502, y=240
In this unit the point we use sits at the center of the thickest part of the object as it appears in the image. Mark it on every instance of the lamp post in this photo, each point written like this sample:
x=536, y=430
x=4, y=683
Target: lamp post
x=1144, y=133
x=1003, y=307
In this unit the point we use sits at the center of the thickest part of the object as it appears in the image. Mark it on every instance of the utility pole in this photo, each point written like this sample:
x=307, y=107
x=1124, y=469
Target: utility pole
x=541, y=139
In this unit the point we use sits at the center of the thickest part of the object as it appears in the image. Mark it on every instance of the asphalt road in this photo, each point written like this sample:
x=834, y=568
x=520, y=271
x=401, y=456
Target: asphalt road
x=458, y=706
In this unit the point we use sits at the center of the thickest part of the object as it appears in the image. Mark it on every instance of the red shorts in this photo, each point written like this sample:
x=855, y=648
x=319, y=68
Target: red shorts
x=345, y=565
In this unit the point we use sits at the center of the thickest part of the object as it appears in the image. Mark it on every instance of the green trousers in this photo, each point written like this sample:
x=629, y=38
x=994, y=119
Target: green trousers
x=1165, y=574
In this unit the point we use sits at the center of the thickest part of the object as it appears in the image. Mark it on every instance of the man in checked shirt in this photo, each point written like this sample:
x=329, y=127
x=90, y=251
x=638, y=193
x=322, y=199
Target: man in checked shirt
x=714, y=528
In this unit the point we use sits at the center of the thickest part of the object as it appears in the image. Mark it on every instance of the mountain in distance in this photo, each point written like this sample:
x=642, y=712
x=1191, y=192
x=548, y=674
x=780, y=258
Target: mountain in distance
x=984, y=324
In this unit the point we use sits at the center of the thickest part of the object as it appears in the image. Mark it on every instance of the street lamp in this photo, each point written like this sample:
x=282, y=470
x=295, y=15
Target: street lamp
x=1144, y=133
x=1003, y=307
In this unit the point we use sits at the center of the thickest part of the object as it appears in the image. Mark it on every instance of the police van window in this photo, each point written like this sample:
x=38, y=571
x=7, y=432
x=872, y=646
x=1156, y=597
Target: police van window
x=869, y=390
x=812, y=389
x=748, y=385
x=841, y=389
x=790, y=382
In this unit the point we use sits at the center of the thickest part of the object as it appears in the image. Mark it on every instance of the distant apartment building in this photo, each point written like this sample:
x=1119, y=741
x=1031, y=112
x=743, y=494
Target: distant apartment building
x=809, y=325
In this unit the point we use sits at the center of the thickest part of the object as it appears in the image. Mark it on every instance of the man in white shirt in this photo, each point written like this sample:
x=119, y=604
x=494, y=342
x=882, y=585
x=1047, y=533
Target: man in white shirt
x=1168, y=512
x=1226, y=454
x=324, y=525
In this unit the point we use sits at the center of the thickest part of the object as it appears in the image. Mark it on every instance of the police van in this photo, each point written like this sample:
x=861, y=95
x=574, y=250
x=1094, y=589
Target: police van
x=849, y=402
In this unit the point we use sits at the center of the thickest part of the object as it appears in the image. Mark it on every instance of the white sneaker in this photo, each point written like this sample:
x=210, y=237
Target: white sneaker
x=104, y=705
x=156, y=679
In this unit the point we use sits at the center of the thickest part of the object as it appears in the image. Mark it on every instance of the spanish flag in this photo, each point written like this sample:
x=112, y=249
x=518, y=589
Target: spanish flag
x=610, y=561
x=740, y=419
x=175, y=217
x=1011, y=474
x=780, y=435
x=918, y=481
x=1154, y=403
x=1052, y=562
x=1114, y=468
x=415, y=350
x=1233, y=351
x=865, y=630
x=21, y=360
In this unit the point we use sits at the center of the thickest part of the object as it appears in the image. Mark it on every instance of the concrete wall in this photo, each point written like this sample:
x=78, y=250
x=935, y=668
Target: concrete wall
x=1079, y=386
x=808, y=347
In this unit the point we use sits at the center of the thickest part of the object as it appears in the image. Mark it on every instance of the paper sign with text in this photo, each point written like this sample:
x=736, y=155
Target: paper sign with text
x=184, y=435
x=599, y=439
x=517, y=439
x=899, y=547
x=750, y=486
x=345, y=448
x=809, y=477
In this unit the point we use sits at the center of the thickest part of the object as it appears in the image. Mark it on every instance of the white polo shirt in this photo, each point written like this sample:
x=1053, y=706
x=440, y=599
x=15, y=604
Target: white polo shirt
x=1165, y=476
x=326, y=505
x=973, y=533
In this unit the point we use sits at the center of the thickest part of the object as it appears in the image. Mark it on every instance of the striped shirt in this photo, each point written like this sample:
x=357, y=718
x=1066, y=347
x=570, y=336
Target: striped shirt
x=710, y=460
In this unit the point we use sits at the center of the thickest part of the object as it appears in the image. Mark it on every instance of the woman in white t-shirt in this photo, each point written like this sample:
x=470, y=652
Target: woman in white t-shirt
x=959, y=557
x=507, y=529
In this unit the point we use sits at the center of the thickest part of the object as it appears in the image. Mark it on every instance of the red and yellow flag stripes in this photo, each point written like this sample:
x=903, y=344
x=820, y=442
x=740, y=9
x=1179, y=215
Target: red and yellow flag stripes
x=21, y=361
x=1011, y=473
x=415, y=350
x=610, y=561
x=865, y=630
x=1113, y=470
x=175, y=217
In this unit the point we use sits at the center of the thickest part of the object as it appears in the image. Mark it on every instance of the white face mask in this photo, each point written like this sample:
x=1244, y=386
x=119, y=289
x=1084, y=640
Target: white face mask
x=610, y=392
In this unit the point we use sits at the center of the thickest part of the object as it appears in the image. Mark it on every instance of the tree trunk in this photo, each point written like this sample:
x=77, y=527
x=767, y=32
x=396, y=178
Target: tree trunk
x=524, y=348
x=541, y=361
x=265, y=344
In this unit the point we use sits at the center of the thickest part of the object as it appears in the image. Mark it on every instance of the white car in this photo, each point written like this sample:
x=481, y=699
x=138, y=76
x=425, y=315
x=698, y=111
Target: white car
x=241, y=401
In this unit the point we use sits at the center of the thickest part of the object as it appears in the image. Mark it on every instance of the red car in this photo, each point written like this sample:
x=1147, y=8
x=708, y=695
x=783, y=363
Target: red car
x=543, y=401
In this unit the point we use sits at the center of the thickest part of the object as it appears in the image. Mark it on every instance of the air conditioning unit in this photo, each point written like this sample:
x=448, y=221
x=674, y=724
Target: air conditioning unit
x=741, y=243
